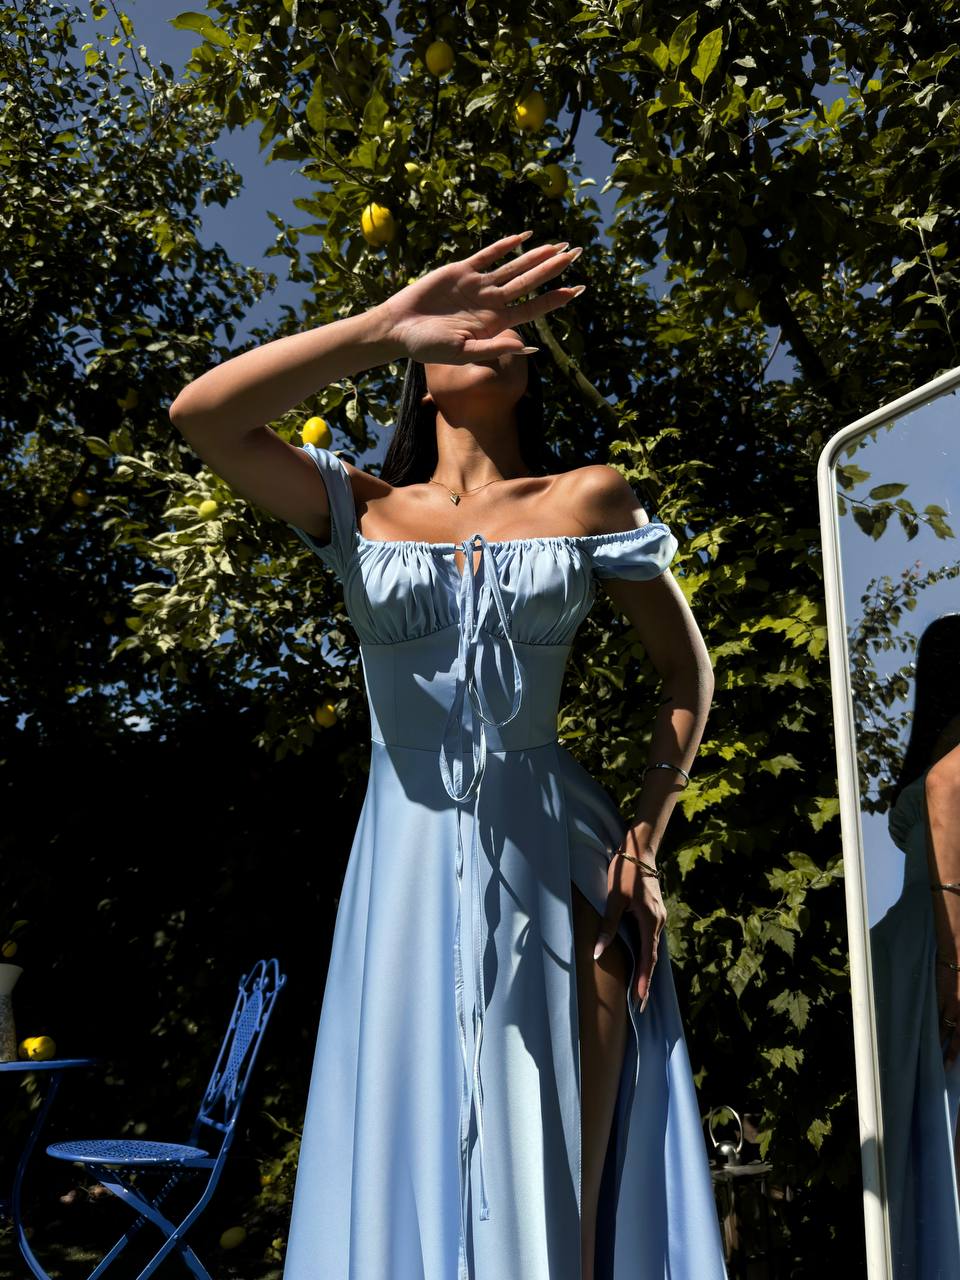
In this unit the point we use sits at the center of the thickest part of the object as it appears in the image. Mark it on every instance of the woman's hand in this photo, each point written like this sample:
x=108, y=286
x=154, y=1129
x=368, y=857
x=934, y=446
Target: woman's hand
x=454, y=314
x=630, y=888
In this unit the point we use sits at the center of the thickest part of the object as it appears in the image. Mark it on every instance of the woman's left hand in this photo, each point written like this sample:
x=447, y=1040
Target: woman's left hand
x=630, y=888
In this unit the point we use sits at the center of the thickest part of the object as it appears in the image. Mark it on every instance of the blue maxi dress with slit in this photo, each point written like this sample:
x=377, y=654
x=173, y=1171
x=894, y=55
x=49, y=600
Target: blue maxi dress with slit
x=441, y=1138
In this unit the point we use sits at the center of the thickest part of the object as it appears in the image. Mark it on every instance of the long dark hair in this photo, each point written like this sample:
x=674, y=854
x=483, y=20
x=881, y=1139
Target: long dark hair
x=411, y=457
x=936, y=695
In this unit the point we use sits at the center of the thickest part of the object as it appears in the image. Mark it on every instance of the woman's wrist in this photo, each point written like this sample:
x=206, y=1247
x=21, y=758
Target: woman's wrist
x=639, y=841
x=383, y=332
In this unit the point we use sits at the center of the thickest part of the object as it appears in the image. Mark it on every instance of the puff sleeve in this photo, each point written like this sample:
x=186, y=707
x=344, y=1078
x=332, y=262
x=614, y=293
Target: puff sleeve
x=908, y=813
x=338, y=552
x=640, y=553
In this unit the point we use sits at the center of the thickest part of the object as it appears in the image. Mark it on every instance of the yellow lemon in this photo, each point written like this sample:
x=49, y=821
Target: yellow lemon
x=412, y=170
x=531, y=112
x=37, y=1048
x=207, y=508
x=315, y=431
x=439, y=58
x=135, y=624
x=325, y=715
x=130, y=400
x=109, y=618
x=377, y=224
x=744, y=298
x=9, y=949
x=556, y=177
x=79, y=498
x=232, y=1237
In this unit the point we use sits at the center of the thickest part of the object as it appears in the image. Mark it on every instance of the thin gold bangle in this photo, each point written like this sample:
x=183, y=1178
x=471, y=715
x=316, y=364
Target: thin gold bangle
x=650, y=870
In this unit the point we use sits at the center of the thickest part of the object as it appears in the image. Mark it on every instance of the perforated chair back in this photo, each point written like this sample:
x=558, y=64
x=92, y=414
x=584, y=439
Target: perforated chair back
x=224, y=1093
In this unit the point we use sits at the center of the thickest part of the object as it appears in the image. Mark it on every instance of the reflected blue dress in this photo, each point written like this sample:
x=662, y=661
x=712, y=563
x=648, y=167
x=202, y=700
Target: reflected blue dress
x=919, y=1096
x=441, y=1138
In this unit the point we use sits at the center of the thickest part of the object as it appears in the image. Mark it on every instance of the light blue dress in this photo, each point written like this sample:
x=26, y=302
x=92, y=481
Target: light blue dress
x=920, y=1097
x=423, y=1158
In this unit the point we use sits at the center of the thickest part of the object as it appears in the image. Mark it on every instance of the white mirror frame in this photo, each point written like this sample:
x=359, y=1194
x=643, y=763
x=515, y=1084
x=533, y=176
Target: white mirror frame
x=876, y=1221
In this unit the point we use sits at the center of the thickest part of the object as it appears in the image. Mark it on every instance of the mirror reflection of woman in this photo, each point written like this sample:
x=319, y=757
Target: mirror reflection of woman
x=915, y=951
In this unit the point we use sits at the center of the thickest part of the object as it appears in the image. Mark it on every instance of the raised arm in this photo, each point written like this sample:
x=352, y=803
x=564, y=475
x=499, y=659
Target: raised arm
x=223, y=412
x=456, y=314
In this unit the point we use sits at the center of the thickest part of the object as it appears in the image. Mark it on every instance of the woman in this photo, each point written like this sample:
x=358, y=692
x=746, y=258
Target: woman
x=469, y=915
x=915, y=950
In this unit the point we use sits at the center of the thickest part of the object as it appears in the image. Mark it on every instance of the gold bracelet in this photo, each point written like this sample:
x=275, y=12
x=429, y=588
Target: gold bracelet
x=650, y=870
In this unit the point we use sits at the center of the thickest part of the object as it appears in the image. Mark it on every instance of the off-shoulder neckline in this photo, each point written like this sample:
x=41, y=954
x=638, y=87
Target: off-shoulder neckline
x=566, y=538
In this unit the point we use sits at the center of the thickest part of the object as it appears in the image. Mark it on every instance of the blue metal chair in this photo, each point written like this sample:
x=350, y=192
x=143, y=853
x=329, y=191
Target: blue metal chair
x=217, y=1116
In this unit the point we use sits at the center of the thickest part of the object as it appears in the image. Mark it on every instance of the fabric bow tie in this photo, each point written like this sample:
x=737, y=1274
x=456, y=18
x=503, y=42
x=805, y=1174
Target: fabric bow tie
x=470, y=609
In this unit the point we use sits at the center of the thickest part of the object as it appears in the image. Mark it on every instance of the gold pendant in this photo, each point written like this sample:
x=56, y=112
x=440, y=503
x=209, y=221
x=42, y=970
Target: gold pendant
x=454, y=498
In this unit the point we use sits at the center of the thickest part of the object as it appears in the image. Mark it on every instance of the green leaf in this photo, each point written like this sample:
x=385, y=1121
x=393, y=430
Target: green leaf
x=99, y=448
x=783, y=938
x=316, y=110
x=818, y=1130
x=746, y=966
x=201, y=23
x=886, y=491
x=786, y=1056
x=680, y=41
x=777, y=764
x=708, y=54
x=825, y=809
x=795, y=1004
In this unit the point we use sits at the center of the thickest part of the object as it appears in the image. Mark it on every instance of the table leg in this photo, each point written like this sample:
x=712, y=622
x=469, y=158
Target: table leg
x=13, y=1206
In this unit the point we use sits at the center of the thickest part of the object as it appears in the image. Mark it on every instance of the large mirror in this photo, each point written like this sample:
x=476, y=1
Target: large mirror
x=889, y=490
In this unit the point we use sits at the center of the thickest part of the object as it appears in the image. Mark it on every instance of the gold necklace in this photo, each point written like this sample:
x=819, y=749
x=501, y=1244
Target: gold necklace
x=455, y=497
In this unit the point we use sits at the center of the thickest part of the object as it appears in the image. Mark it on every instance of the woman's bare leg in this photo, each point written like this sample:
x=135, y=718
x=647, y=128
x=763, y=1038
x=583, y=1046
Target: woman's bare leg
x=604, y=1023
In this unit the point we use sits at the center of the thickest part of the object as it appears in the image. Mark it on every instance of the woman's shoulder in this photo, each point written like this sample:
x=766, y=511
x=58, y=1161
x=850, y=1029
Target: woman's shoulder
x=600, y=498
x=363, y=486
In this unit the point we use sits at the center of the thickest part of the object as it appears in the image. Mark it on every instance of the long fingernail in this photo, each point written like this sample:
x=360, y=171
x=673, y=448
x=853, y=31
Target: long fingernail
x=601, y=943
x=643, y=1003
x=524, y=235
x=528, y=351
x=575, y=293
x=576, y=254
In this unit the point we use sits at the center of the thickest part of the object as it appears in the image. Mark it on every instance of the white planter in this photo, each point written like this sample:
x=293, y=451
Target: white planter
x=9, y=973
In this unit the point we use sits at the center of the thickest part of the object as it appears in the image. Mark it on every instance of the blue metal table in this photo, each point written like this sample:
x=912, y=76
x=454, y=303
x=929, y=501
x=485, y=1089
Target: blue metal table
x=10, y=1206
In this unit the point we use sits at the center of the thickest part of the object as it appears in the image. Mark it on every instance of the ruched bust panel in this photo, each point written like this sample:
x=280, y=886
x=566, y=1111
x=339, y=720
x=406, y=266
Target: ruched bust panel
x=393, y=589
